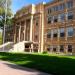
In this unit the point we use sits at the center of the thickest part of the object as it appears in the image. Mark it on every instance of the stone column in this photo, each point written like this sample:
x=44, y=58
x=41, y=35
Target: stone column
x=31, y=30
x=31, y=27
x=58, y=41
x=66, y=49
x=19, y=33
x=42, y=31
x=24, y=30
x=51, y=35
x=58, y=49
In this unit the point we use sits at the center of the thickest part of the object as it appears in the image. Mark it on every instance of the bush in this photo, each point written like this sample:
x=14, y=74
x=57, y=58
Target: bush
x=45, y=52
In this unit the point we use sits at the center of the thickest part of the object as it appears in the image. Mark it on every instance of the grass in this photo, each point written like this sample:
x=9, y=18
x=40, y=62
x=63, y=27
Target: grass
x=54, y=64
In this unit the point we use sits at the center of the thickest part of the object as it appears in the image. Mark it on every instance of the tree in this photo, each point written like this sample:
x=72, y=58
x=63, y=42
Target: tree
x=2, y=12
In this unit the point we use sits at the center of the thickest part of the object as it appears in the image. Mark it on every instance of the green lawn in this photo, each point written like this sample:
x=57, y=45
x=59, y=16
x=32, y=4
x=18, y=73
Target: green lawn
x=54, y=64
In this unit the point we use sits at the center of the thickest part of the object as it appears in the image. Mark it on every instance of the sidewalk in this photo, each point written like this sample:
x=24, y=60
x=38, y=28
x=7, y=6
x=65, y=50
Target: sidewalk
x=7, y=68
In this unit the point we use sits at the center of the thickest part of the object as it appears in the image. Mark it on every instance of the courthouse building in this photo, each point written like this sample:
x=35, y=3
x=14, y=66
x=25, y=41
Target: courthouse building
x=46, y=27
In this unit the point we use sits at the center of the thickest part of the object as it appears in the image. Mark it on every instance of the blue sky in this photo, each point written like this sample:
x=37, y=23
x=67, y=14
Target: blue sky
x=18, y=4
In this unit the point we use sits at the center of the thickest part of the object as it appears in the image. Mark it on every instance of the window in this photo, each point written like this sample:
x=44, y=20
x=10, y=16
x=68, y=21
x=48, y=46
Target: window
x=62, y=33
x=70, y=31
x=49, y=19
x=55, y=33
x=62, y=17
x=69, y=48
x=55, y=8
x=70, y=4
x=55, y=18
x=48, y=48
x=49, y=10
x=36, y=36
x=49, y=34
x=54, y=48
x=36, y=23
x=60, y=0
x=61, y=48
x=61, y=6
x=70, y=15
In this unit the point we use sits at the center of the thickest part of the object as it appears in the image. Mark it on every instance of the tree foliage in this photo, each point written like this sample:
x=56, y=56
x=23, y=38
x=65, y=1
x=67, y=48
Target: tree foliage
x=2, y=12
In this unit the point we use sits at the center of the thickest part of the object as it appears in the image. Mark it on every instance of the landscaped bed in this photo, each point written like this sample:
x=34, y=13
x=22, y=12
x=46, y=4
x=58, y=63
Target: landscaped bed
x=53, y=64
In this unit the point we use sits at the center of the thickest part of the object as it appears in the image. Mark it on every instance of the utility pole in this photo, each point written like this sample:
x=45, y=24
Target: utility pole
x=5, y=22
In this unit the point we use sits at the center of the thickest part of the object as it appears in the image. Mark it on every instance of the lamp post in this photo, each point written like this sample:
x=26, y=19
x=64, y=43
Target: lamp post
x=4, y=22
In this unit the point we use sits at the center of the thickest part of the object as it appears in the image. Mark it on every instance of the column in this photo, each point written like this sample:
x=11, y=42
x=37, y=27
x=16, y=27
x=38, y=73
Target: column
x=52, y=48
x=58, y=40
x=42, y=31
x=24, y=30
x=31, y=30
x=31, y=27
x=51, y=35
x=19, y=33
x=58, y=49
x=66, y=49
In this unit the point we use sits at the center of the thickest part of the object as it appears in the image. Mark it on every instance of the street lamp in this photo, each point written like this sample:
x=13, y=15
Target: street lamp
x=5, y=22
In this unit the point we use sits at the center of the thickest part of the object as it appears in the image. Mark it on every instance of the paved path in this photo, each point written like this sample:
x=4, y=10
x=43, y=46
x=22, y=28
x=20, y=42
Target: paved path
x=7, y=68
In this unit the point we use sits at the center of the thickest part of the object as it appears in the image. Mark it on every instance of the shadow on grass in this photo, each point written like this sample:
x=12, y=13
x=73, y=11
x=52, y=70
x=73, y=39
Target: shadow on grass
x=50, y=64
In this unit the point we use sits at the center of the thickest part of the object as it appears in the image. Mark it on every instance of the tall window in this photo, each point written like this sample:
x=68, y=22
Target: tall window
x=49, y=10
x=62, y=17
x=36, y=37
x=62, y=32
x=37, y=21
x=70, y=15
x=70, y=4
x=48, y=48
x=70, y=31
x=61, y=48
x=49, y=19
x=55, y=18
x=69, y=48
x=49, y=34
x=60, y=0
x=55, y=8
x=54, y=48
x=61, y=6
x=55, y=33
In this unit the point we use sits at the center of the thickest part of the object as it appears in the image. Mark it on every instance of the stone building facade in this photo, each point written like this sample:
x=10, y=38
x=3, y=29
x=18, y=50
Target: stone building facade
x=59, y=27
x=46, y=26
x=28, y=25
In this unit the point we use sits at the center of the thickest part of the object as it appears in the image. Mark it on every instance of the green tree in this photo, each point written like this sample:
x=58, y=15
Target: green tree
x=2, y=12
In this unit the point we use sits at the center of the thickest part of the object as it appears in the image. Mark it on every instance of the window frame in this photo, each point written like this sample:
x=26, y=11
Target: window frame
x=69, y=31
x=55, y=33
x=62, y=31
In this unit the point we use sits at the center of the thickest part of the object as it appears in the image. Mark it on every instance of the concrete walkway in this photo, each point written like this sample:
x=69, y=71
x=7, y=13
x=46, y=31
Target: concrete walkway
x=7, y=68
